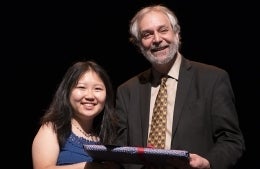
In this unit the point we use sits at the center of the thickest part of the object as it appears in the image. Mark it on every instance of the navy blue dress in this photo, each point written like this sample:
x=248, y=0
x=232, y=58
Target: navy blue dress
x=73, y=151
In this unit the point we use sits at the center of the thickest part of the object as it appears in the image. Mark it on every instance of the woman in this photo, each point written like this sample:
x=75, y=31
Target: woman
x=81, y=112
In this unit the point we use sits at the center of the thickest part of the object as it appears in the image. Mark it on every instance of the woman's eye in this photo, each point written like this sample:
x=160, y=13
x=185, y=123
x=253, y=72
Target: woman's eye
x=80, y=87
x=98, y=88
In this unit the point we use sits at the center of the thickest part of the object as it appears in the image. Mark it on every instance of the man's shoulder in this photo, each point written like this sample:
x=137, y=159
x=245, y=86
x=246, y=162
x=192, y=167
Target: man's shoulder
x=140, y=78
x=201, y=66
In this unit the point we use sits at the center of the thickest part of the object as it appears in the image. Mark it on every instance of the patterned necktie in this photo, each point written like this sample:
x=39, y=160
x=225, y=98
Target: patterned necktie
x=157, y=134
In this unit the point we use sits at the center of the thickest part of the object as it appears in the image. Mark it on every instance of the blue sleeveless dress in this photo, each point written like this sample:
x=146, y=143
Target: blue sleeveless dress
x=73, y=151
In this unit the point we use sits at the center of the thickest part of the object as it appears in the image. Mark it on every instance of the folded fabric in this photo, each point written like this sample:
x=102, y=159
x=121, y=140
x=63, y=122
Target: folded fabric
x=135, y=155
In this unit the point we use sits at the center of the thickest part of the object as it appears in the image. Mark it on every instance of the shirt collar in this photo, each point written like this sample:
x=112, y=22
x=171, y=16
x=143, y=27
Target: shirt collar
x=173, y=73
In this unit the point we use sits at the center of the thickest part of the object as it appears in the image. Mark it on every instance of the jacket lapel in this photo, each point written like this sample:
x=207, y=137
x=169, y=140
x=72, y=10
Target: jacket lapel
x=185, y=77
x=145, y=94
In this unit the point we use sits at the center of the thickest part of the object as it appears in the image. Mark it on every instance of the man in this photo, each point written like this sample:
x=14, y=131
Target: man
x=201, y=113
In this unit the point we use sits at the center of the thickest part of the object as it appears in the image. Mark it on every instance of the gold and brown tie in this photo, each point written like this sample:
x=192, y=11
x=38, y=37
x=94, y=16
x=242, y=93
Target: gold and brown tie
x=157, y=133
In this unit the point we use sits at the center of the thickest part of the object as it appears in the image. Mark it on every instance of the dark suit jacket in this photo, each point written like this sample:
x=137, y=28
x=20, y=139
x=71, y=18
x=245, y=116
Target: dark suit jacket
x=205, y=120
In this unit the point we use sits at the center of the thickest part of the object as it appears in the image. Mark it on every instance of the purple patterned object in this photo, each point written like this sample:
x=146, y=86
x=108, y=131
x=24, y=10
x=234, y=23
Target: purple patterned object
x=135, y=155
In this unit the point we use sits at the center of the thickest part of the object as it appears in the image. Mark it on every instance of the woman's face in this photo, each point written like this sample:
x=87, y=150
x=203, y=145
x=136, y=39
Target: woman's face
x=88, y=96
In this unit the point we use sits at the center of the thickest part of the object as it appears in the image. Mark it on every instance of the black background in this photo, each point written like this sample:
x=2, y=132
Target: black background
x=41, y=40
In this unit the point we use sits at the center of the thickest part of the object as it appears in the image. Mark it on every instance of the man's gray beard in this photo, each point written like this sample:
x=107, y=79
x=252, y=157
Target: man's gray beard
x=152, y=59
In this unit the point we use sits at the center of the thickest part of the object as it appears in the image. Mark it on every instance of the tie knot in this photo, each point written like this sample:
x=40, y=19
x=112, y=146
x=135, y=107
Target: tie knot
x=163, y=80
